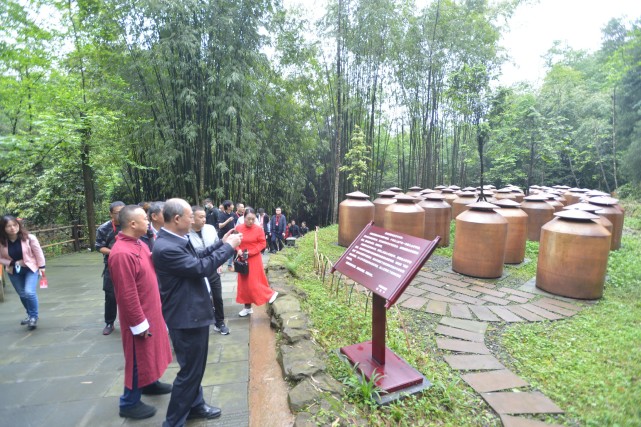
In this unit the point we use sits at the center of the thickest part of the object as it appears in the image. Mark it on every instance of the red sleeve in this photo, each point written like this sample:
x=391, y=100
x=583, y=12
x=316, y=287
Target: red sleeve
x=123, y=268
x=254, y=242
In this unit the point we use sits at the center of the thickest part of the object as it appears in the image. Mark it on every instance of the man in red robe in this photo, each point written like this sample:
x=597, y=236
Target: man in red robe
x=144, y=333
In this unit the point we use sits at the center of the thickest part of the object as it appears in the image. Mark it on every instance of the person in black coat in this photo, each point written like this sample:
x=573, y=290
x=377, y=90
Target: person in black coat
x=277, y=227
x=187, y=306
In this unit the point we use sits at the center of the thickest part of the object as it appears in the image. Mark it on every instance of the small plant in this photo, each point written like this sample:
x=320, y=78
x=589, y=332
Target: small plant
x=364, y=389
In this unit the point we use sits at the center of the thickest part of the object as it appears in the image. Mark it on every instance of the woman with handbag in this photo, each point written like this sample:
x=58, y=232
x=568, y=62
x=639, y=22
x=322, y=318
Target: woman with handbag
x=253, y=287
x=21, y=254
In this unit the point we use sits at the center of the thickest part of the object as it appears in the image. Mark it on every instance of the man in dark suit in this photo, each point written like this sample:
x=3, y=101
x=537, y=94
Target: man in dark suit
x=187, y=306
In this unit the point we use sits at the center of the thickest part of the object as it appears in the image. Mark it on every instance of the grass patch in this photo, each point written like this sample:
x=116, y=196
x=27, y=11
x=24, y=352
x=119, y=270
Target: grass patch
x=589, y=365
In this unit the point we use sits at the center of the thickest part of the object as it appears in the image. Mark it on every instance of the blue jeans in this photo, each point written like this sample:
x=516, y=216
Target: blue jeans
x=132, y=396
x=25, y=284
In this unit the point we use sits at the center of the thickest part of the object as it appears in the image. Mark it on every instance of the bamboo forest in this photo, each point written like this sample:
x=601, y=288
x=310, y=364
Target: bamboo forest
x=255, y=102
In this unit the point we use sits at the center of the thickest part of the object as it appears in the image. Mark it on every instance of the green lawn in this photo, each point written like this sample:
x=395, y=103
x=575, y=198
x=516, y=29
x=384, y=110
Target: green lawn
x=590, y=365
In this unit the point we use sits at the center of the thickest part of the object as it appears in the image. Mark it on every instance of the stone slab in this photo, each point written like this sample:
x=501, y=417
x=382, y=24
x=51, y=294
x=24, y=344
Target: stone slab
x=466, y=362
x=462, y=346
x=559, y=303
x=415, y=303
x=455, y=282
x=468, y=325
x=436, y=307
x=554, y=308
x=505, y=314
x=495, y=300
x=521, y=403
x=488, y=291
x=461, y=311
x=427, y=274
x=436, y=290
x=509, y=421
x=541, y=312
x=433, y=282
x=463, y=291
x=516, y=292
x=484, y=313
x=467, y=299
x=527, y=315
x=414, y=291
x=402, y=298
x=519, y=300
x=450, y=273
x=483, y=382
x=458, y=333
x=437, y=297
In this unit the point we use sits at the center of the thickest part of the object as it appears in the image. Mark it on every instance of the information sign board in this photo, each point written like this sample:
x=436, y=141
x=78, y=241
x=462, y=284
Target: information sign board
x=385, y=261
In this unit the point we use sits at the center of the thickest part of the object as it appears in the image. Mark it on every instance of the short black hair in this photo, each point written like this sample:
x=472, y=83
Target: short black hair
x=197, y=208
x=227, y=203
x=126, y=214
x=114, y=205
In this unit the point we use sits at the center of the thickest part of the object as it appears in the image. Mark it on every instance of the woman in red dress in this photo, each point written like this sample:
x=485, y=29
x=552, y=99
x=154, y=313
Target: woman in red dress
x=253, y=287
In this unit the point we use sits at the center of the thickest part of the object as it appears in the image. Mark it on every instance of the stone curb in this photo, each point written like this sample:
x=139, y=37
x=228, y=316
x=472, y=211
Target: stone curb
x=301, y=359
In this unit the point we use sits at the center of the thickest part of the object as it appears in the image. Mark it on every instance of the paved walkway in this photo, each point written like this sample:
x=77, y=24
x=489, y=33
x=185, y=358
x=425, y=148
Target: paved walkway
x=66, y=373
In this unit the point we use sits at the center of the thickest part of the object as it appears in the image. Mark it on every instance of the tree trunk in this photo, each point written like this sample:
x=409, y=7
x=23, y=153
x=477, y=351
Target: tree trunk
x=339, y=114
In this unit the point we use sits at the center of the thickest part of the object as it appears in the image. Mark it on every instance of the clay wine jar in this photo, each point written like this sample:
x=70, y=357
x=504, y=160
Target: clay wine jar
x=516, y=230
x=593, y=209
x=354, y=213
x=414, y=191
x=610, y=209
x=479, y=241
x=385, y=198
x=438, y=215
x=459, y=205
x=405, y=216
x=449, y=196
x=573, y=255
x=539, y=212
x=551, y=199
x=504, y=193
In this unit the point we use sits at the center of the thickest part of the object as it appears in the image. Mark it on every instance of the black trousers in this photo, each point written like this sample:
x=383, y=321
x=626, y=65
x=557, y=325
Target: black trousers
x=111, y=308
x=190, y=346
x=217, y=296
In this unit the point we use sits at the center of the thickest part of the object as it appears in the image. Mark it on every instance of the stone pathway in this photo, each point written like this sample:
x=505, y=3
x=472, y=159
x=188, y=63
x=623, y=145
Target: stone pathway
x=66, y=373
x=467, y=306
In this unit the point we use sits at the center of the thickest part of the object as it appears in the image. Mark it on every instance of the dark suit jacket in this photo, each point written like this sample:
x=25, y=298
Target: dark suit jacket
x=181, y=271
x=277, y=232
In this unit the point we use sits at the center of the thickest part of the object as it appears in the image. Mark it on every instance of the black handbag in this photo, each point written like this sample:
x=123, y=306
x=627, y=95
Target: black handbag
x=241, y=266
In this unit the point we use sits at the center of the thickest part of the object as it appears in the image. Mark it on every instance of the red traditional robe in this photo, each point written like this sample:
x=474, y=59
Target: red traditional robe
x=253, y=288
x=138, y=298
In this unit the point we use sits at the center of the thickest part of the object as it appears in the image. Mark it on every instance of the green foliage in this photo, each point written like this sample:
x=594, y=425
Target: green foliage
x=357, y=159
x=365, y=390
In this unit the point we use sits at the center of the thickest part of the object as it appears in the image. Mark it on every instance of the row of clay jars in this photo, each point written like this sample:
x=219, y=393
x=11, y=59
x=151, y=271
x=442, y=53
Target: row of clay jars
x=402, y=215
x=436, y=219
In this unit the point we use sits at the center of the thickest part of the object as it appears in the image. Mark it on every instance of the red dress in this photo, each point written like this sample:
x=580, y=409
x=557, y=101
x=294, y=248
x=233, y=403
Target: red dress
x=138, y=298
x=253, y=288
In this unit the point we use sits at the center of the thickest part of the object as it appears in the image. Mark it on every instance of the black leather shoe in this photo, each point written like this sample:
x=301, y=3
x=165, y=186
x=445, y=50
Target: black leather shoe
x=205, y=411
x=109, y=328
x=156, y=388
x=139, y=411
